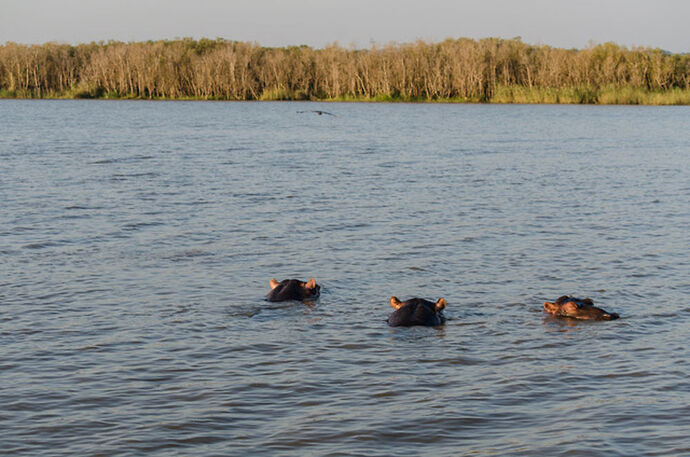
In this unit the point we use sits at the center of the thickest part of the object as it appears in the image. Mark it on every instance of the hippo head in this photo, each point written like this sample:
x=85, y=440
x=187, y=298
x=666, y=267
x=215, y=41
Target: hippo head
x=416, y=311
x=293, y=289
x=577, y=308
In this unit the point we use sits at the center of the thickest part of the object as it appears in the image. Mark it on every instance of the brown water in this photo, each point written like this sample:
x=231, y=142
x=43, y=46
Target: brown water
x=137, y=240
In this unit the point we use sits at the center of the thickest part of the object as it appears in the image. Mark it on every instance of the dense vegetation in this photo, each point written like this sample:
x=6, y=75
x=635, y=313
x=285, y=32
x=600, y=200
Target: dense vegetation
x=488, y=70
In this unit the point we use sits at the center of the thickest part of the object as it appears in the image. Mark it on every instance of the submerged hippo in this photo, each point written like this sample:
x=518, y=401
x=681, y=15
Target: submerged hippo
x=577, y=308
x=416, y=311
x=293, y=289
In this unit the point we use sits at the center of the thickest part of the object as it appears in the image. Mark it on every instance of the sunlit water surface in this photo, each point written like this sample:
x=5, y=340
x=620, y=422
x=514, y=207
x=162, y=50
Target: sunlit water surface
x=137, y=240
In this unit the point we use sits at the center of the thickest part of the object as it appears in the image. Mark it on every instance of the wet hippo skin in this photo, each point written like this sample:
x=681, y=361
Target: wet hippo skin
x=577, y=308
x=293, y=289
x=416, y=311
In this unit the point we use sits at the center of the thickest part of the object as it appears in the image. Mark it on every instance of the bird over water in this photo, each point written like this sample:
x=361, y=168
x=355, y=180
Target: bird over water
x=319, y=112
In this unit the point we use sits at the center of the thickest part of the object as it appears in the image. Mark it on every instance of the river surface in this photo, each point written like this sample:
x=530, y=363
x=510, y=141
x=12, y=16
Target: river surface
x=137, y=241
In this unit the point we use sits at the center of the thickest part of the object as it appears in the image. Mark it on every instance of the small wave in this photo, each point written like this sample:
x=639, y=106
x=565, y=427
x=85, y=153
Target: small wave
x=126, y=176
x=138, y=225
x=189, y=254
x=42, y=245
x=121, y=160
x=19, y=229
x=245, y=313
x=74, y=216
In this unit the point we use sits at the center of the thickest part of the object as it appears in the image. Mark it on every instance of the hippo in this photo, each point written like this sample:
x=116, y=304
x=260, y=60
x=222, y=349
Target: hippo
x=416, y=311
x=577, y=308
x=293, y=289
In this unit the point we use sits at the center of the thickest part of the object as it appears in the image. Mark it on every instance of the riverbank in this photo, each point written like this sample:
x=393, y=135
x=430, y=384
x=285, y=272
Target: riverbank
x=568, y=95
x=460, y=71
x=503, y=95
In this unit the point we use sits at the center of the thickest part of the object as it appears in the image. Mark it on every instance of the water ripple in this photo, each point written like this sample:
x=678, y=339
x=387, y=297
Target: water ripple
x=134, y=268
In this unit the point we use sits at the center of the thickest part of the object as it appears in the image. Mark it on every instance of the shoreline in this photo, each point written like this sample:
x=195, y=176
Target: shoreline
x=460, y=70
x=505, y=96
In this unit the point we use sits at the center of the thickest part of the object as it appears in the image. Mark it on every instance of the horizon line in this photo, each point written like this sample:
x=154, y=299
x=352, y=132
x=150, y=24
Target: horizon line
x=372, y=43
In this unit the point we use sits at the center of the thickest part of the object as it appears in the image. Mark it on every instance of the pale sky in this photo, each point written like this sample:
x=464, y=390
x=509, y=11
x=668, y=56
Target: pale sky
x=571, y=24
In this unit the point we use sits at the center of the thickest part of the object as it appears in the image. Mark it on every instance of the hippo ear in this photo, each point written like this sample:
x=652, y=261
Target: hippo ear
x=310, y=284
x=550, y=307
x=588, y=301
x=395, y=303
x=273, y=284
x=440, y=304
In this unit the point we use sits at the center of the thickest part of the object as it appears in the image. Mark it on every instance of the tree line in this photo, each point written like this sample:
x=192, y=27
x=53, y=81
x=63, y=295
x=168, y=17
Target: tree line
x=455, y=69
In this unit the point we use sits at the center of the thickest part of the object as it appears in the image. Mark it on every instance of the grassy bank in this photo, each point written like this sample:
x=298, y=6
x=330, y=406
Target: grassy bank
x=503, y=95
x=489, y=70
x=610, y=95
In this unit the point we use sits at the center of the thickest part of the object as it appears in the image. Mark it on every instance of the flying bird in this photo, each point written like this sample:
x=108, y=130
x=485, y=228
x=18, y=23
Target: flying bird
x=319, y=112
